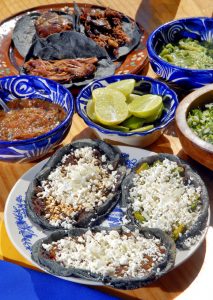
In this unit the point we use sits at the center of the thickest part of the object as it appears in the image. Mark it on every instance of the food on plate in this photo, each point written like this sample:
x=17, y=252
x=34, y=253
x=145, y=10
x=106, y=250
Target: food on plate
x=29, y=118
x=63, y=70
x=37, y=25
x=125, y=258
x=110, y=29
x=51, y=22
x=200, y=120
x=163, y=192
x=68, y=57
x=189, y=53
x=104, y=26
x=119, y=108
x=78, y=186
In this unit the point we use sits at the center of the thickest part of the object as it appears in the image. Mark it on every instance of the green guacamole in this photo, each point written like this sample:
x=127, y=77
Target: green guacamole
x=189, y=53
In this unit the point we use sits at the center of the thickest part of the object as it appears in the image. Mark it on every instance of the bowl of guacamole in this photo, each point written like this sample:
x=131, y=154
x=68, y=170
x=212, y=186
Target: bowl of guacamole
x=181, y=52
x=189, y=53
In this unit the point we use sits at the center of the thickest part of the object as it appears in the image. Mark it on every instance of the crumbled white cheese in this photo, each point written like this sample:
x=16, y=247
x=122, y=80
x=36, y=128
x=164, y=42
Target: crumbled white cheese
x=109, y=253
x=125, y=220
x=191, y=241
x=163, y=198
x=81, y=185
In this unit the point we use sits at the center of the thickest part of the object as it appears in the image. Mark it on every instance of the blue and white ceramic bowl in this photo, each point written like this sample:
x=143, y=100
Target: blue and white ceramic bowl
x=196, y=28
x=23, y=86
x=148, y=85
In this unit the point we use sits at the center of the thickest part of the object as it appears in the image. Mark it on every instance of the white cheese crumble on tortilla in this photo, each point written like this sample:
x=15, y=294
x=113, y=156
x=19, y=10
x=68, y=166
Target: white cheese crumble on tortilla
x=109, y=253
x=163, y=198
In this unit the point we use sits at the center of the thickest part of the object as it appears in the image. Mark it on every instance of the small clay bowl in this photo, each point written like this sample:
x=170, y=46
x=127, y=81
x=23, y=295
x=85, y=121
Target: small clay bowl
x=194, y=146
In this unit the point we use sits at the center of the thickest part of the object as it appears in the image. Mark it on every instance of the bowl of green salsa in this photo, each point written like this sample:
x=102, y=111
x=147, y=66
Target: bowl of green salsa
x=194, y=124
x=181, y=52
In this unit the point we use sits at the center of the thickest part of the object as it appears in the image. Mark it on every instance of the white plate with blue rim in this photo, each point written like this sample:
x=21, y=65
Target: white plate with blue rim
x=23, y=233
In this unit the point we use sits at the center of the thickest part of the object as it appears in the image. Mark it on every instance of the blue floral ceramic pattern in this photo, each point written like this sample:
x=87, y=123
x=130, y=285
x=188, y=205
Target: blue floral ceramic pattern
x=130, y=163
x=26, y=230
x=142, y=83
x=35, y=87
x=115, y=217
x=195, y=28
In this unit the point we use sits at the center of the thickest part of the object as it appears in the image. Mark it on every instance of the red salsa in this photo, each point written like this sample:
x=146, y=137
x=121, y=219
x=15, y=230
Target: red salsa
x=29, y=118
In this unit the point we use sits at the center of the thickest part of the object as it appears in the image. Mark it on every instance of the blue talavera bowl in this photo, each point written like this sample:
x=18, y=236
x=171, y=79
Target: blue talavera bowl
x=196, y=28
x=23, y=86
x=148, y=86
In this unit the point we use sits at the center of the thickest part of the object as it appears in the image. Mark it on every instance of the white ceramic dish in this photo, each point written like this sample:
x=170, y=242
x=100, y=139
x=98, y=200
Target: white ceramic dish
x=23, y=233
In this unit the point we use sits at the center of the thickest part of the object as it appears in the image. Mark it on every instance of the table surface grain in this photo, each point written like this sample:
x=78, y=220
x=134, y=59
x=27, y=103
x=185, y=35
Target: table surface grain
x=193, y=279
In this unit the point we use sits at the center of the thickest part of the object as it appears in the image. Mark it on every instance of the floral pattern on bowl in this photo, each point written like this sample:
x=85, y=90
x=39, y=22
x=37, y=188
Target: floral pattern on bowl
x=195, y=28
x=13, y=87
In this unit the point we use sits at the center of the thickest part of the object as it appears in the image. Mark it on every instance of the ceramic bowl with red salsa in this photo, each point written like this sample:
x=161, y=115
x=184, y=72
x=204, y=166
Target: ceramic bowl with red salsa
x=40, y=116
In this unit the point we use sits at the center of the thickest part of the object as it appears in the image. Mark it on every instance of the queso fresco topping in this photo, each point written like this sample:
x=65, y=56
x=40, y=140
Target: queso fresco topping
x=108, y=253
x=29, y=118
x=161, y=198
x=189, y=53
x=82, y=182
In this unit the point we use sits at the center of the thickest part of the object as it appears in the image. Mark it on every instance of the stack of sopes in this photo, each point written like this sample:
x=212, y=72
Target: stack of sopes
x=79, y=186
x=74, y=45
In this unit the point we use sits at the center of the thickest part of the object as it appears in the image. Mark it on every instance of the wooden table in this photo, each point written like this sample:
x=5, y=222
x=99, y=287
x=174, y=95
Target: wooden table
x=193, y=279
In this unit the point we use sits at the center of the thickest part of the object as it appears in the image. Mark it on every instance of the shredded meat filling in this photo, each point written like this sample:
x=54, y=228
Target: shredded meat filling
x=105, y=28
x=63, y=70
x=51, y=22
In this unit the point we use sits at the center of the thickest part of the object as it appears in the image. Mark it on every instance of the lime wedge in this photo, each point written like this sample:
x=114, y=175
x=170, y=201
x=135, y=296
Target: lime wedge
x=145, y=106
x=132, y=97
x=133, y=122
x=90, y=109
x=144, y=128
x=154, y=117
x=118, y=128
x=110, y=107
x=104, y=93
x=125, y=86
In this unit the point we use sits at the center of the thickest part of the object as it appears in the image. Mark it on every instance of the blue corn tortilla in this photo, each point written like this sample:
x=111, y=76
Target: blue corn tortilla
x=84, y=219
x=195, y=179
x=67, y=44
x=24, y=32
x=71, y=44
x=121, y=283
